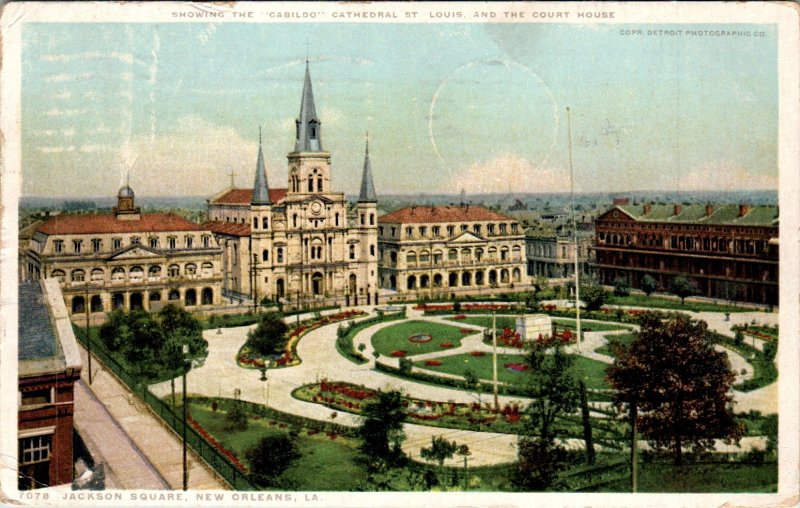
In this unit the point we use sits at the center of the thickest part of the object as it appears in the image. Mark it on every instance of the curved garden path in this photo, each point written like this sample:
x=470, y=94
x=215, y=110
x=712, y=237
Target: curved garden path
x=219, y=376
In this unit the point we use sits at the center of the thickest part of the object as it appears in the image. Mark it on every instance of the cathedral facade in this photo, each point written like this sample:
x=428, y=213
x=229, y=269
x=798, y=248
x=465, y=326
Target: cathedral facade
x=301, y=241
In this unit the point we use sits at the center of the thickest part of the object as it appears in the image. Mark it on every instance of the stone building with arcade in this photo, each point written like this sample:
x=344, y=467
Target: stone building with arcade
x=453, y=248
x=730, y=250
x=126, y=259
x=304, y=240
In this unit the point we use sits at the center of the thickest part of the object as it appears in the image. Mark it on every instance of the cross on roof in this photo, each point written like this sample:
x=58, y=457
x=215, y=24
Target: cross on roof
x=232, y=174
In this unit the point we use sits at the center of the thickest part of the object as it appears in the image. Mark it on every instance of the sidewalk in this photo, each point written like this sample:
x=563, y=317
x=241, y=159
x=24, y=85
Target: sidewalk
x=136, y=446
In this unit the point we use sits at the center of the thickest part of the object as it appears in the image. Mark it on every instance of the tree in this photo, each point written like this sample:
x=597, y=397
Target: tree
x=172, y=355
x=382, y=428
x=115, y=332
x=553, y=386
x=621, y=286
x=271, y=457
x=649, y=285
x=269, y=337
x=147, y=339
x=440, y=450
x=683, y=286
x=592, y=294
x=676, y=381
x=770, y=350
x=236, y=418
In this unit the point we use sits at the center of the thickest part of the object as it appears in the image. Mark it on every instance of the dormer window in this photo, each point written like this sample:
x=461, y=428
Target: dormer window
x=77, y=245
x=116, y=243
x=153, y=242
x=58, y=245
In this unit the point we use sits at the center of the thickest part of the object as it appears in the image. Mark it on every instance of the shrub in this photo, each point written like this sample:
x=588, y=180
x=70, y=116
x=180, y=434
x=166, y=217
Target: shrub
x=271, y=457
x=770, y=351
x=236, y=419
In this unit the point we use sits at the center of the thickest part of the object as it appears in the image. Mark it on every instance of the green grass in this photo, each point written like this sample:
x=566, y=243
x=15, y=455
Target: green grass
x=322, y=463
x=764, y=371
x=482, y=367
x=701, y=478
x=395, y=337
x=623, y=338
x=667, y=303
x=345, y=344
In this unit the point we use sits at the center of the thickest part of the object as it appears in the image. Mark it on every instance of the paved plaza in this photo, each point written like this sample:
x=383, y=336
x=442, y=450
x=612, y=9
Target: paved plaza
x=219, y=376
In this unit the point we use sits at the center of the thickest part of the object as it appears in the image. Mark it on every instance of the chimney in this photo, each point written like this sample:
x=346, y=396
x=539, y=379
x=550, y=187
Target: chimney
x=709, y=210
x=647, y=208
x=744, y=209
x=677, y=209
x=413, y=208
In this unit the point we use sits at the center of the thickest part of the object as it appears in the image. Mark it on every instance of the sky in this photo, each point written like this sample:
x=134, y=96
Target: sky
x=176, y=107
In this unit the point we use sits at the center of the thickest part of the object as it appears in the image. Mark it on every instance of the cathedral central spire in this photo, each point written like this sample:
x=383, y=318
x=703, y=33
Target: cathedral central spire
x=308, y=136
x=367, y=194
x=260, y=188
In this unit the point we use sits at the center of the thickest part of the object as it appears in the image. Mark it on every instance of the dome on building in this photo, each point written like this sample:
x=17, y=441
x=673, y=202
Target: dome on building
x=125, y=192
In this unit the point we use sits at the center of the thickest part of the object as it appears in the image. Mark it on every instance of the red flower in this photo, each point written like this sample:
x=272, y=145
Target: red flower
x=477, y=353
x=433, y=363
x=446, y=344
x=398, y=354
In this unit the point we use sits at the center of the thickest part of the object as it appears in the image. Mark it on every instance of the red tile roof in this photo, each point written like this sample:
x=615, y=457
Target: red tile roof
x=69, y=224
x=226, y=228
x=243, y=196
x=454, y=213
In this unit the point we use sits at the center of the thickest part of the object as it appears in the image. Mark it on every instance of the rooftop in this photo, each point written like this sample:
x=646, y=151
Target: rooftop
x=69, y=224
x=226, y=228
x=442, y=213
x=763, y=215
x=237, y=196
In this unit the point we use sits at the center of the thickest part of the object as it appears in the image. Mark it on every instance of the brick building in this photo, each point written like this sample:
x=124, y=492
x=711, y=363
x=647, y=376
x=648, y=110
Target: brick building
x=49, y=366
x=730, y=250
x=456, y=248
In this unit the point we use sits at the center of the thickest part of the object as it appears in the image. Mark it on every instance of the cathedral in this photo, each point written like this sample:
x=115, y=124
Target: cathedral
x=301, y=241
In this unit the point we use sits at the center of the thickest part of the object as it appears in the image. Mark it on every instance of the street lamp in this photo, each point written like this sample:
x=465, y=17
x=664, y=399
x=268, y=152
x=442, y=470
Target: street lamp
x=187, y=362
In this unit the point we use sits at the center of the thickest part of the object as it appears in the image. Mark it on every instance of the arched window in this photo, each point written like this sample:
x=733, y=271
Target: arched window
x=352, y=252
x=191, y=269
x=264, y=223
x=310, y=185
x=452, y=254
x=371, y=250
x=372, y=219
x=174, y=270
x=265, y=255
x=516, y=253
x=78, y=275
x=208, y=269
x=118, y=274
x=255, y=222
x=411, y=258
x=279, y=254
x=319, y=184
x=424, y=257
x=154, y=272
x=136, y=274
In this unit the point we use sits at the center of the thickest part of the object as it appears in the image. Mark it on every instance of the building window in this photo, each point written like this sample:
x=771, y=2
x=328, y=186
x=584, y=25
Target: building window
x=207, y=269
x=380, y=230
x=58, y=245
x=464, y=228
x=59, y=274
x=514, y=228
x=264, y=223
x=337, y=218
x=116, y=243
x=435, y=230
x=423, y=231
x=171, y=242
x=154, y=272
x=118, y=274
x=279, y=254
x=393, y=257
x=409, y=232
x=97, y=244
x=78, y=275
x=76, y=246
x=502, y=229
x=36, y=397
x=265, y=255
x=352, y=252
x=189, y=242
x=372, y=219
x=476, y=228
x=153, y=242
x=411, y=258
x=503, y=254
x=206, y=241
x=135, y=240
x=371, y=250
x=394, y=231
x=451, y=230
x=452, y=254
x=136, y=274
x=363, y=220
x=294, y=220
x=174, y=270
x=255, y=222
x=34, y=449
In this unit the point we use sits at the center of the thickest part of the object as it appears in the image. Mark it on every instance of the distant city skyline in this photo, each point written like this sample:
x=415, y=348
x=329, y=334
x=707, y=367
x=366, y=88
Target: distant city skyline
x=479, y=107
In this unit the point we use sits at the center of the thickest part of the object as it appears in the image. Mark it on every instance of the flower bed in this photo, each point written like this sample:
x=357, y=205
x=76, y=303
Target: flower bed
x=516, y=367
x=213, y=442
x=477, y=353
x=446, y=345
x=249, y=359
x=399, y=353
x=467, y=331
x=420, y=338
x=459, y=317
x=433, y=363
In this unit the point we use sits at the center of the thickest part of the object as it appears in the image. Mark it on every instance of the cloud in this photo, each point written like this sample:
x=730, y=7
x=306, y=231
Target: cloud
x=126, y=76
x=51, y=149
x=57, y=78
x=66, y=94
x=724, y=175
x=94, y=148
x=64, y=112
x=508, y=173
x=91, y=55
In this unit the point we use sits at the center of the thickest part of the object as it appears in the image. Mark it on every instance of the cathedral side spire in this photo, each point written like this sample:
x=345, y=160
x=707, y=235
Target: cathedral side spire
x=308, y=135
x=260, y=188
x=367, y=193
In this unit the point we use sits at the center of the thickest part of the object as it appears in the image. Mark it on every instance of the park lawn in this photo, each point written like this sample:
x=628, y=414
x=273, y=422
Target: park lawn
x=320, y=466
x=592, y=370
x=624, y=338
x=658, y=302
x=701, y=478
x=395, y=337
x=511, y=322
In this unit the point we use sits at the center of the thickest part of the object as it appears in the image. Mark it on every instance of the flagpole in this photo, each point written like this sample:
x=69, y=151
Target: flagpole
x=574, y=235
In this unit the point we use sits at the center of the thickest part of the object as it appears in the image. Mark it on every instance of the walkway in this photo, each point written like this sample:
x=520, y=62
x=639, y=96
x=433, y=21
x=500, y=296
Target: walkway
x=137, y=447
